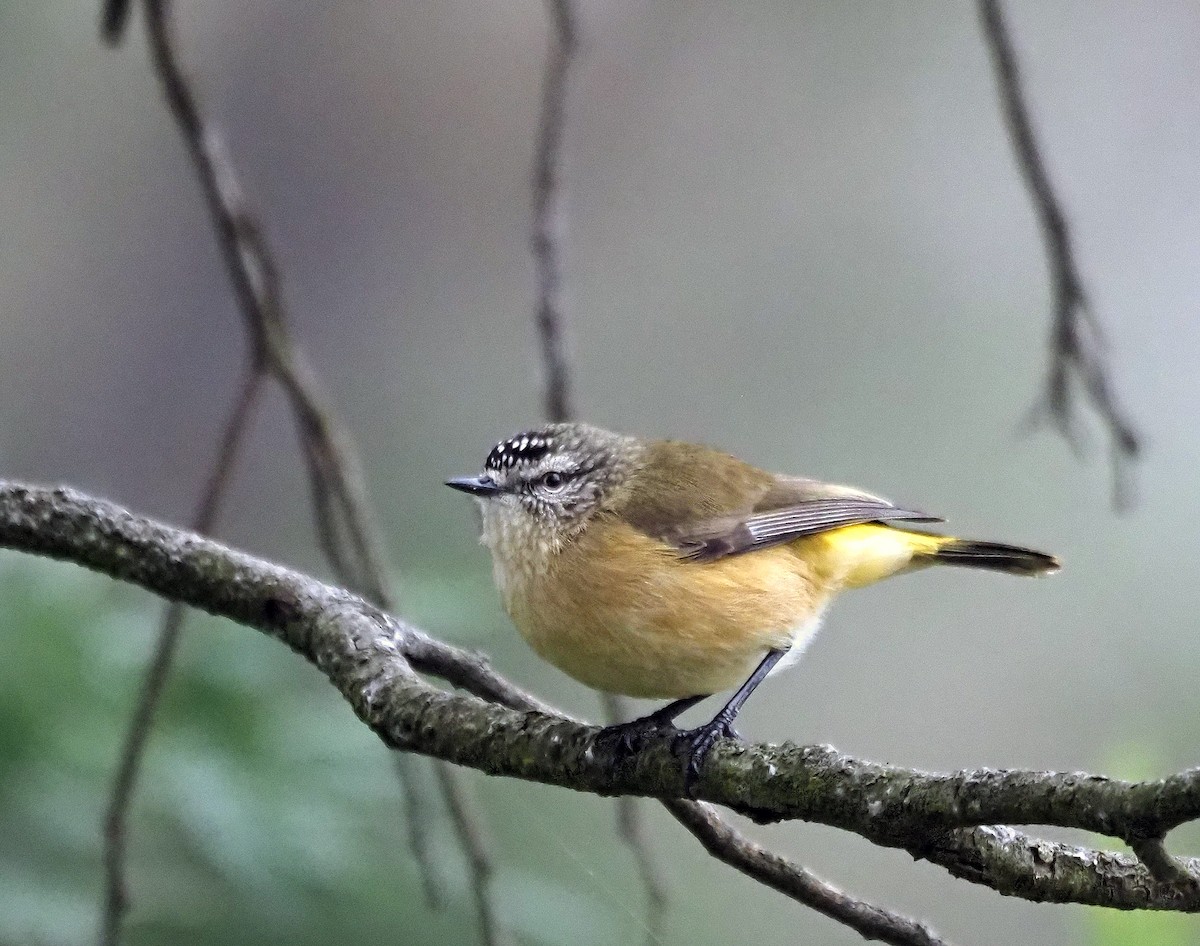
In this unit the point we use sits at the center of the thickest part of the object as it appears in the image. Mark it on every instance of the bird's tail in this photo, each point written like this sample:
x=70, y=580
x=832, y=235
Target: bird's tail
x=992, y=556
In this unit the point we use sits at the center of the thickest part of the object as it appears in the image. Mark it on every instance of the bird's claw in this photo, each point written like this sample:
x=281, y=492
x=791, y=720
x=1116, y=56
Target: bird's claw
x=626, y=739
x=694, y=746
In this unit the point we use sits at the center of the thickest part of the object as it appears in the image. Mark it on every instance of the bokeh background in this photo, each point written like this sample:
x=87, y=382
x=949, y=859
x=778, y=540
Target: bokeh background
x=793, y=229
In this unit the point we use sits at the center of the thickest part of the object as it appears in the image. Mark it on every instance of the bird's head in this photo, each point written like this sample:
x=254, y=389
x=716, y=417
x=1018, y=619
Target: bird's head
x=552, y=479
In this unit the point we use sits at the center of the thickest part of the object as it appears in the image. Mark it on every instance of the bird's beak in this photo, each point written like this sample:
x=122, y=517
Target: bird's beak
x=482, y=486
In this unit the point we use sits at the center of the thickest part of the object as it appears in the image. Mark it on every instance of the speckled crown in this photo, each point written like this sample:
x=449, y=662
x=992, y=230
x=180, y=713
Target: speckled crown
x=528, y=447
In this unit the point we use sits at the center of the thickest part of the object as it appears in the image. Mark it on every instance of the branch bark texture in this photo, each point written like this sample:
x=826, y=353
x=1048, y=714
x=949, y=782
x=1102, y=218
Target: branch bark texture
x=372, y=659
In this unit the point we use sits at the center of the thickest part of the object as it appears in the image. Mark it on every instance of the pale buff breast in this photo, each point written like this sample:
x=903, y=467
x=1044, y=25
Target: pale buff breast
x=621, y=612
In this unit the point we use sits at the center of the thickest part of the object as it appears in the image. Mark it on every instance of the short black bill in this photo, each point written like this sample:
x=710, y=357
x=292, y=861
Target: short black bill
x=475, y=485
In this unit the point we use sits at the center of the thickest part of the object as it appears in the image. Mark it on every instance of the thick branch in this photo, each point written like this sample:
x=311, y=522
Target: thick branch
x=360, y=650
x=1019, y=865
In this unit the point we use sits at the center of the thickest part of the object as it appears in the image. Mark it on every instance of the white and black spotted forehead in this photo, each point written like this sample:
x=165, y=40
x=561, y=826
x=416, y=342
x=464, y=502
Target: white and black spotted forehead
x=528, y=447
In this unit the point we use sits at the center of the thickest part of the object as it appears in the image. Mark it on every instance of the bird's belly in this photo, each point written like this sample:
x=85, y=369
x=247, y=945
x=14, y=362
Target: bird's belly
x=668, y=629
x=647, y=659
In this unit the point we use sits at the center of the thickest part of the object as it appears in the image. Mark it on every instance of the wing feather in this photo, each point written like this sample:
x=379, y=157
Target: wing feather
x=710, y=505
x=709, y=541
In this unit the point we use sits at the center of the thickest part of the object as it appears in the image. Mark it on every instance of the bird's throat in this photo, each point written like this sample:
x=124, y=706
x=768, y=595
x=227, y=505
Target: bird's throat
x=523, y=547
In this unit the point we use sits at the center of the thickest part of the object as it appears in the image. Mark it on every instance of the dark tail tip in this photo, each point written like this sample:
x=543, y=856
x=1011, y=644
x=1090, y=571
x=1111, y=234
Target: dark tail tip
x=996, y=557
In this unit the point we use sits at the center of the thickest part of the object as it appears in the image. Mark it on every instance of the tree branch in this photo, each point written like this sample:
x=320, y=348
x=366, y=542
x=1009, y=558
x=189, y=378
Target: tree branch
x=1076, y=342
x=345, y=529
x=545, y=242
x=116, y=895
x=1019, y=865
x=361, y=651
x=723, y=842
x=547, y=209
x=339, y=494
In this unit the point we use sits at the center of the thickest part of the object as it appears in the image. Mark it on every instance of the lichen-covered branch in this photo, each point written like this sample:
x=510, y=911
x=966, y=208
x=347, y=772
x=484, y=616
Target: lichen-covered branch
x=1020, y=865
x=361, y=650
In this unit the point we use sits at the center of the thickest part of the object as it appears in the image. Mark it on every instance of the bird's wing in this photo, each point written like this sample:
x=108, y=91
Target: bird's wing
x=780, y=510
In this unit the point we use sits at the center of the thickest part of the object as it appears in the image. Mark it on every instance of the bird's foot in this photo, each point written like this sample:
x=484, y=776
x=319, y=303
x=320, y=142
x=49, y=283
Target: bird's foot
x=693, y=746
x=627, y=738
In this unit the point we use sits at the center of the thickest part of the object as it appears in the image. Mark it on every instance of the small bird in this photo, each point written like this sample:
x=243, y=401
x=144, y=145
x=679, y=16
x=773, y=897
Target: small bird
x=665, y=569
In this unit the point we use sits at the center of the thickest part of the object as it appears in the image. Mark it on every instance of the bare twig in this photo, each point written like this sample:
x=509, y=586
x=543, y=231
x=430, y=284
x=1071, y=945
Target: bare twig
x=545, y=241
x=114, y=15
x=344, y=527
x=1162, y=866
x=792, y=880
x=950, y=819
x=116, y=897
x=418, y=829
x=469, y=670
x=339, y=496
x=471, y=835
x=719, y=838
x=1077, y=347
x=547, y=209
x=631, y=825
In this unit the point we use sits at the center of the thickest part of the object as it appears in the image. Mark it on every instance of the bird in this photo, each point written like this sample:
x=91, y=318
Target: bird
x=665, y=569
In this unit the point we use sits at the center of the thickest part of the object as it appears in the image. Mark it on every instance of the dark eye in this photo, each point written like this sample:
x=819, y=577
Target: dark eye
x=553, y=481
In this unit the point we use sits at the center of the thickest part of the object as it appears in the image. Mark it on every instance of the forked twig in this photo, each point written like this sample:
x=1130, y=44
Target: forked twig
x=1077, y=346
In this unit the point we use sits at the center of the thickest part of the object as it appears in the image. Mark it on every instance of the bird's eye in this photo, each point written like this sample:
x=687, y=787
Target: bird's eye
x=553, y=481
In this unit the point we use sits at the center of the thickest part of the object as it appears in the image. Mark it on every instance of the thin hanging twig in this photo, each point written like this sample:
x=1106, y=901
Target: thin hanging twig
x=345, y=529
x=547, y=210
x=719, y=838
x=472, y=837
x=631, y=825
x=133, y=748
x=545, y=242
x=1077, y=345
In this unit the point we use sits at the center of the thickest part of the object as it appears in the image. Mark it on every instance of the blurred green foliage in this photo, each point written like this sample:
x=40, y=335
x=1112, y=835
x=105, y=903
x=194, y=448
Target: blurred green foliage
x=266, y=814
x=793, y=230
x=1113, y=928
x=1135, y=761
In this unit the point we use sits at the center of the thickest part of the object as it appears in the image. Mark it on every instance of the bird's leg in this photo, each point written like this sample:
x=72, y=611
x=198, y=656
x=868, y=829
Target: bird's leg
x=694, y=744
x=628, y=735
x=665, y=717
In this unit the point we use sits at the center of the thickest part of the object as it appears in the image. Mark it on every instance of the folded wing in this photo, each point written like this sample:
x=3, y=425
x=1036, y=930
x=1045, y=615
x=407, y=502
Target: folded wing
x=708, y=541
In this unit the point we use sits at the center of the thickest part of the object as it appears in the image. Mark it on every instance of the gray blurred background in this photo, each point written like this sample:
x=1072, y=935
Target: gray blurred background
x=794, y=230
